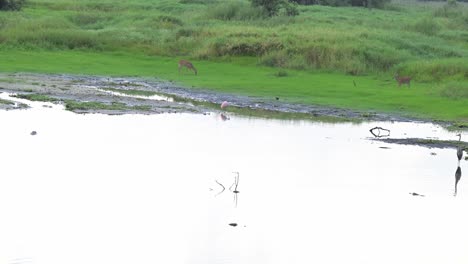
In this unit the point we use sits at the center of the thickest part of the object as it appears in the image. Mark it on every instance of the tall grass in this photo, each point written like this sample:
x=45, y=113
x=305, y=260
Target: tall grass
x=427, y=40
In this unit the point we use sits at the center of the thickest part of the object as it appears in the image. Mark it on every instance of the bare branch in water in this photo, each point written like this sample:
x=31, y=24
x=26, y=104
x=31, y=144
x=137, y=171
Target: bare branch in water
x=235, y=184
x=222, y=186
x=379, y=129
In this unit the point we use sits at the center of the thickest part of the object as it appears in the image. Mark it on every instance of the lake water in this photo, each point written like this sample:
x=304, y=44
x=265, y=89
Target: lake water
x=100, y=189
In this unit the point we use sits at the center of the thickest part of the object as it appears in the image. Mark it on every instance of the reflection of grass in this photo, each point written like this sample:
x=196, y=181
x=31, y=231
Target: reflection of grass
x=131, y=92
x=36, y=97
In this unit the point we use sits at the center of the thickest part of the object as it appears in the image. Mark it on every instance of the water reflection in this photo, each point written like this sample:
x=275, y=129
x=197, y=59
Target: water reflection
x=235, y=185
x=232, y=188
x=459, y=150
x=324, y=205
x=222, y=186
x=458, y=175
x=224, y=117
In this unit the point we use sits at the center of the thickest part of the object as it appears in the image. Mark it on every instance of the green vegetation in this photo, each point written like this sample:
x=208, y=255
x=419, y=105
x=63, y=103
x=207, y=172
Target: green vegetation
x=76, y=105
x=337, y=56
x=14, y=5
x=36, y=97
x=6, y=102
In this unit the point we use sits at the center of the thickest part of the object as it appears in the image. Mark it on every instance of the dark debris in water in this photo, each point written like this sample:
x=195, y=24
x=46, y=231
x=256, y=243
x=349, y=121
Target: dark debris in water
x=416, y=194
x=33, y=133
x=379, y=132
x=233, y=224
x=429, y=143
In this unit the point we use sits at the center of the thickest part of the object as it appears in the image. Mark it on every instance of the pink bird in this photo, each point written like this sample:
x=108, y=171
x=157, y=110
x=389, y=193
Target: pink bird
x=224, y=104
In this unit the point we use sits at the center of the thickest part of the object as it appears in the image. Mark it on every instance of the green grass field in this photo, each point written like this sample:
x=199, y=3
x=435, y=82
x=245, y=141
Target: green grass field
x=343, y=57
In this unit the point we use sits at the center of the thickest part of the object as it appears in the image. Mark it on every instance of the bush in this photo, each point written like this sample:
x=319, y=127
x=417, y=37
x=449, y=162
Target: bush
x=271, y=6
x=281, y=73
x=291, y=9
x=436, y=70
x=363, y=3
x=455, y=90
x=275, y=59
x=450, y=9
x=14, y=5
x=427, y=26
x=235, y=11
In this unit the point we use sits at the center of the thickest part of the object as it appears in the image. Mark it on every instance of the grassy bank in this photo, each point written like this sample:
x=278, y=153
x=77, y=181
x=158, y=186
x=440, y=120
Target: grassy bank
x=315, y=58
x=244, y=76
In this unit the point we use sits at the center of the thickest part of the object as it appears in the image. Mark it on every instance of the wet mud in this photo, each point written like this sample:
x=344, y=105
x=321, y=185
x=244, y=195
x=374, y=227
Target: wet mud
x=428, y=143
x=107, y=94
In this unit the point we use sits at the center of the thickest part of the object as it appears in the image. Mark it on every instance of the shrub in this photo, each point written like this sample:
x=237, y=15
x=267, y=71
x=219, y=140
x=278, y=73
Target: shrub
x=203, y=2
x=275, y=59
x=363, y=3
x=449, y=10
x=281, y=73
x=235, y=11
x=427, y=26
x=243, y=47
x=170, y=19
x=291, y=9
x=436, y=70
x=271, y=6
x=455, y=90
x=225, y=11
x=14, y=5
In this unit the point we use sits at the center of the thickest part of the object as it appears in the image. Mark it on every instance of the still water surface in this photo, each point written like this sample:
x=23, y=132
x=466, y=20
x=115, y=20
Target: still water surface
x=101, y=189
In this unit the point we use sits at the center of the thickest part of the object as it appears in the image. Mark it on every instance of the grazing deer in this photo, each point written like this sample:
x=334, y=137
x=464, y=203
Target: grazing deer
x=403, y=79
x=188, y=65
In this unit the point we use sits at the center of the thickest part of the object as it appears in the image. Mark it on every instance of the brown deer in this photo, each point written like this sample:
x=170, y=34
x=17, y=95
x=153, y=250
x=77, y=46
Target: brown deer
x=402, y=80
x=188, y=65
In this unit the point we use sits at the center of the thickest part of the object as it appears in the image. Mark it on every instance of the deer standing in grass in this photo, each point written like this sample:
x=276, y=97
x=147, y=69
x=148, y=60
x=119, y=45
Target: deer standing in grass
x=403, y=80
x=188, y=65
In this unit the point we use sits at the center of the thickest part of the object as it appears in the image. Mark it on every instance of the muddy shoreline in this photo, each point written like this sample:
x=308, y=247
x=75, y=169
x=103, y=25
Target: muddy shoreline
x=118, y=95
x=428, y=143
x=108, y=90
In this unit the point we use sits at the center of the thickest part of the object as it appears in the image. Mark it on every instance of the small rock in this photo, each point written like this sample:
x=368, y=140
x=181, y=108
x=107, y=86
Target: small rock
x=33, y=133
x=433, y=153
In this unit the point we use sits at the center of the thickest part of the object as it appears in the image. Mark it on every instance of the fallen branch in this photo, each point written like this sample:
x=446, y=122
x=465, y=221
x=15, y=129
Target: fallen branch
x=379, y=129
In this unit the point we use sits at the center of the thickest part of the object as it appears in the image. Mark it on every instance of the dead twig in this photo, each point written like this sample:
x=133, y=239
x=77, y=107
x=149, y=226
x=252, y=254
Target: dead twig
x=379, y=129
x=222, y=186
